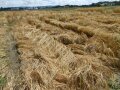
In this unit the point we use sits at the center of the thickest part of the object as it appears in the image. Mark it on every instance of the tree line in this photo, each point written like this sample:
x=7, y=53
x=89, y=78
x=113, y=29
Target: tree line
x=99, y=4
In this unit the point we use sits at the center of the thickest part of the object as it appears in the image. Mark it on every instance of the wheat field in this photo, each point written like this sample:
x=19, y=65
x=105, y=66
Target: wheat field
x=60, y=49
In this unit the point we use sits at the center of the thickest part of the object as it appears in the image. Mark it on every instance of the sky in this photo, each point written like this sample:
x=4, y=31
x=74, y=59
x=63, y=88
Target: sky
x=16, y=3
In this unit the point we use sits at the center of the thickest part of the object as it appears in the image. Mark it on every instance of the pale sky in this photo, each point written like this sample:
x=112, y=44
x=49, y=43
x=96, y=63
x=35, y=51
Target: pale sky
x=16, y=3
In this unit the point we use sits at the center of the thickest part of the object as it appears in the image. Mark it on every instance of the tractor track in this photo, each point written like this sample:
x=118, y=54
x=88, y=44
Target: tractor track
x=11, y=70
